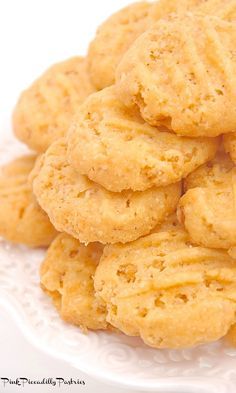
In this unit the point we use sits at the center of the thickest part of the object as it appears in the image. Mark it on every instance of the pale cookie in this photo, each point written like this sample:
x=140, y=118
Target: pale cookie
x=208, y=209
x=44, y=111
x=230, y=145
x=167, y=291
x=67, y=277
x=181, y=74
x=21, y=218
x=88, y=211
x=114, y=147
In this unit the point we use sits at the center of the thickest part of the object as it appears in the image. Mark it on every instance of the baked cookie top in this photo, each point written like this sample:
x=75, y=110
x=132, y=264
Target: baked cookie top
x=114, y=147
x=181, y=74
x=168, y=291
x=66, y=275
x=207, y=210
x=88, y=211
x=115, y=36
x=44, y=111
x=21, y=218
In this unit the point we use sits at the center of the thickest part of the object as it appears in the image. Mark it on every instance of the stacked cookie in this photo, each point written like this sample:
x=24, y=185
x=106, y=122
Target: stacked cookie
x=136, y=177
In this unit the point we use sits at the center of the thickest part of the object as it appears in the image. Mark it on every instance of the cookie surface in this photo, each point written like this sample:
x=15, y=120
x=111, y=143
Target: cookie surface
x=181, y=74
x=230, y=145
x=231, y=336
x=207, y=210
x=115, y=36
x=44, y=111
x=166, y=290
x=21, y=218
x=114, y=147
x=112, y=40
x=88, y=211
x=67, y=277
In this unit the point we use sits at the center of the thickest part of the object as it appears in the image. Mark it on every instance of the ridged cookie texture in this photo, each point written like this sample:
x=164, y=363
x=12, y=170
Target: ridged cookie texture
x=167, y=291
x=66, y=275
x=21, y=218
x=181, y=74
x=115, y=36
x=208, y=210
x=114, y=147
x=88, y=211
x=44, y=111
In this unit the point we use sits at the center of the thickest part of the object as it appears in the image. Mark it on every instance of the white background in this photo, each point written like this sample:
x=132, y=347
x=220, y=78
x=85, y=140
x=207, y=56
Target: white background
x=33, y=35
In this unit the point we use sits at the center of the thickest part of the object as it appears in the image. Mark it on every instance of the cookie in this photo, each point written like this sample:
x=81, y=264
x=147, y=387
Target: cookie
x=114, y=147
x=21, y=218
x=207, y=210
x=89, y=212
x=181, y=74
x=230, y=145
x=67, y=274
x=44, y=111
x=167, y=291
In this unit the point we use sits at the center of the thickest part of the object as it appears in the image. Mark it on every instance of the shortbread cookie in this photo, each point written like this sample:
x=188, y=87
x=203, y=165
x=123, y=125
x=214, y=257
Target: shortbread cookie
x=230, y=145
x=181, y=74
x=67, y=277
x=44, y=111
x=88, y=211
x=208, y=209
x=21, y=218
x=166, y=290
x=114, y=147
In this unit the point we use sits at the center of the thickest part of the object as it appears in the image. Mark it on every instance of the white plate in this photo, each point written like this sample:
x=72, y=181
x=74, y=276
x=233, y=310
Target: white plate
x=112, y=358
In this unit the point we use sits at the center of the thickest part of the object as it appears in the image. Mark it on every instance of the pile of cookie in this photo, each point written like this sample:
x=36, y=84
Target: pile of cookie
x=132, y=186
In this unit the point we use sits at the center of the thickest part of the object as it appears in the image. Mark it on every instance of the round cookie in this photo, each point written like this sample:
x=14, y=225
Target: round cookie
x=66, y=275
x=167, y=291
x=181, y=74
x=21, y=218
x=114, y=147
x=230, y=145
x=207, y=210
x=44, y=111
x=88, y=211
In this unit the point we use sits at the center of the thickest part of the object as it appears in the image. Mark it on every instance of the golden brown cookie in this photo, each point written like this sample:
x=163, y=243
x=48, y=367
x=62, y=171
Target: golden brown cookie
x=114, y=147
x=88, y=211
x=167, y=291
x=44, y=111
x=230, y=145
x=181, y=74
x=21, y=218
x=67, y=277
x=208, y=209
